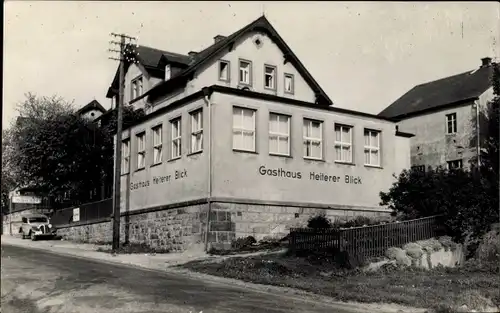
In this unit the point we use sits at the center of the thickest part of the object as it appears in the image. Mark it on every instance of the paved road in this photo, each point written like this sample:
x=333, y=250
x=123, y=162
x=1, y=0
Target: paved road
x=42, y=282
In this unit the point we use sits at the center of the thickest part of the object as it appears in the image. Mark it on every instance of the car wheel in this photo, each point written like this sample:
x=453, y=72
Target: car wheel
x=33, y=236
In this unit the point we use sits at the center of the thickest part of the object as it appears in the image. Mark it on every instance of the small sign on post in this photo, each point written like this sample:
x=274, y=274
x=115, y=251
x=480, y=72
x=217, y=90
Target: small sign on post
x=76, y=214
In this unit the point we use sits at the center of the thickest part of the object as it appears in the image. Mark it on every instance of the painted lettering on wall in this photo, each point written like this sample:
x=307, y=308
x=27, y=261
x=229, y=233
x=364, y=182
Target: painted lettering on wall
x=157, y=180
x=316, y=176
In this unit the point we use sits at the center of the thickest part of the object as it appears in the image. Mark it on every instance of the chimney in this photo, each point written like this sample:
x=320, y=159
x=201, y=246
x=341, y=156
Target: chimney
x=219, y=38
x=192, y=53
x=485, y=62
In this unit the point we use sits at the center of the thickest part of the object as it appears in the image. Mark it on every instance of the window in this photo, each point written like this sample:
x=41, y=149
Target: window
x=454, y=164
x=243, y=129
x=279, y=134
x=125, y=156
x=157, y=144
x=288, y=83
x=270, y=77
x=313, y=138
x=343, y=143
x=197, y=131
x=245, y=72
x=168, y=72
x=141, y=150
x=176, y=138
x=136, y=87
x=418, y=168
x=451, y=123
x=372, y=147
x=224, y=71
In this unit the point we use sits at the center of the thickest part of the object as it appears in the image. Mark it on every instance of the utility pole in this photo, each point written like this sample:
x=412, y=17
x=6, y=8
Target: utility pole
x=125, y=56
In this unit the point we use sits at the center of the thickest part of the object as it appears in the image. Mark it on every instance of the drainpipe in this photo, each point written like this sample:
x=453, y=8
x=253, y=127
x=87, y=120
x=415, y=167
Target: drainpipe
x=477, y=134
x=207, y=93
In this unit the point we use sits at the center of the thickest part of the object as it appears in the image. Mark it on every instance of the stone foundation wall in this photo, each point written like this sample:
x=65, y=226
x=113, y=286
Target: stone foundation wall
x=89, y=233
x=175, y=230
x=229, y=221
x=183, y=228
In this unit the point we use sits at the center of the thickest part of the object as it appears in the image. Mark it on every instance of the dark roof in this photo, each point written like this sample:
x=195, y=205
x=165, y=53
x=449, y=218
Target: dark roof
x=154, y=61
x=94, y=104
x=261, y=24
x=441, y=93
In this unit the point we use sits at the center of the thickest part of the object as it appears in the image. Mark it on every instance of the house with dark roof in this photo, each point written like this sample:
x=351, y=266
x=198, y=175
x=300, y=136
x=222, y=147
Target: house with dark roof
x=444, y=115
x=91, y=110
x=239, y=139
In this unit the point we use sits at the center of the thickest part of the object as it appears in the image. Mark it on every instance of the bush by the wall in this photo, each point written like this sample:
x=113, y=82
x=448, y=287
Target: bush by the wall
x=319, y=221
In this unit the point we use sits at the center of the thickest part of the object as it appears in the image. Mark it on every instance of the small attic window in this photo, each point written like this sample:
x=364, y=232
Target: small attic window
x=258, y=42
x=168, y=72
x=224, y=71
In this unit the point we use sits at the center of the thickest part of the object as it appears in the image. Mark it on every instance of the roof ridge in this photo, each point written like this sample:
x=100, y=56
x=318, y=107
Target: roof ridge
x=163, y=51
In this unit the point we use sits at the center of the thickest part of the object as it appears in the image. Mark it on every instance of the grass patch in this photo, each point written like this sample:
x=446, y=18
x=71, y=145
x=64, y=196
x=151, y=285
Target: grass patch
x=413, y=287
x=130, y=248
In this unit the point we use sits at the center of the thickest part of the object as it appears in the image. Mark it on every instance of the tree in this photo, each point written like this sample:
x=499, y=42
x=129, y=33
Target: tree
x=7, y=179
x=54, y=150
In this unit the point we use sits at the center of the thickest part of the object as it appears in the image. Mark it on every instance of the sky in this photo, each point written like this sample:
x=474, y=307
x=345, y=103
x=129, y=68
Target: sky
x=365, y=55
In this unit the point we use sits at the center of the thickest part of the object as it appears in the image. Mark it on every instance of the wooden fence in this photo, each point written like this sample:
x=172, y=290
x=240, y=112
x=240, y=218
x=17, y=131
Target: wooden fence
x=369, y=241
x=89, y=212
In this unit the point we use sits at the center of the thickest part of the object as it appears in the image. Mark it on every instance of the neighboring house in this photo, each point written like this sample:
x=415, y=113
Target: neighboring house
x=240, y=135
x=92, y=110
x=443, y=115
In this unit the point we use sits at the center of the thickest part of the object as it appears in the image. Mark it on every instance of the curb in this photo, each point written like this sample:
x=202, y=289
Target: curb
x=287, y=292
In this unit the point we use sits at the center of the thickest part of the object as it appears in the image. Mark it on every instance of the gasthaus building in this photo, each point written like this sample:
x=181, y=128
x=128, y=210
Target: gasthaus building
x=239, y=140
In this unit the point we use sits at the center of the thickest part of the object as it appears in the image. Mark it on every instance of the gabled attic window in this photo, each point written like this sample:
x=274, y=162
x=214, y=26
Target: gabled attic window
x=168, y=72
x=137, y=88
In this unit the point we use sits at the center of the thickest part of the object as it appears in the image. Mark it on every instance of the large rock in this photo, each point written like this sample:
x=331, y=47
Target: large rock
x=399, y=255
x=413, y=250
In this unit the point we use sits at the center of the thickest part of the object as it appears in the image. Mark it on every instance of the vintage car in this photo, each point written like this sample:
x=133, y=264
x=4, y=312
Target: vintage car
x=36, y=226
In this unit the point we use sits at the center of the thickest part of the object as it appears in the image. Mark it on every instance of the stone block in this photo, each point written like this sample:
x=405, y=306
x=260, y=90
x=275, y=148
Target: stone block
x=221, y=226
x=222, y=236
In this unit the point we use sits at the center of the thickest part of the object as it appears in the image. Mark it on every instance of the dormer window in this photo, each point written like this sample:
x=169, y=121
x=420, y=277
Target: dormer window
x=137, y=89
x=168, y=72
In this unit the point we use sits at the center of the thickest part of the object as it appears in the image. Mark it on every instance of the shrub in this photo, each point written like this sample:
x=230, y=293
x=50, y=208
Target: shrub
x=242, y=243
x=413, y=250
x=319, y=221
x=430, y=245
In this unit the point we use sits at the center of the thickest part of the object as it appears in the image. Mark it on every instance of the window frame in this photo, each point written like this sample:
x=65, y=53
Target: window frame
x=342, y=144
x=157, y=146
x=228, y=64
x=460, y=162
x=125, y=156
x=142, y=152
x=173, y=139
x=280, y=135
x=169, y=67
x=274, y=77
x=371, y=148
x=250, y=74
x=291, y=76
x=242, y=130
x=313, y=139
x=451, y=117
x=134, y=85
x=195, y=132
